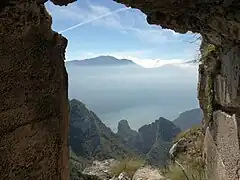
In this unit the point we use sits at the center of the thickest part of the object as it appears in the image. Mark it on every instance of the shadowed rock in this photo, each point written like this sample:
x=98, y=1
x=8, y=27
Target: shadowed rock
x=33, y=94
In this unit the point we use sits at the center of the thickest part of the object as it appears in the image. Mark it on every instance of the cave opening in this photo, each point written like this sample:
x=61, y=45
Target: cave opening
x=163, y=81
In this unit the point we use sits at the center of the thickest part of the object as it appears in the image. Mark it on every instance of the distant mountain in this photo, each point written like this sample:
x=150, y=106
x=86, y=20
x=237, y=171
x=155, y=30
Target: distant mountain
x=130, y=136
x=125, y=131
x=101, y=61
x=90, y=138
x=154, y=139
x=189, y=119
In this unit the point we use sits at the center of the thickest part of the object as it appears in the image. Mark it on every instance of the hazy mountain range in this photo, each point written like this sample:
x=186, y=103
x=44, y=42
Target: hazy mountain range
x=101, y=61
x=120, y=89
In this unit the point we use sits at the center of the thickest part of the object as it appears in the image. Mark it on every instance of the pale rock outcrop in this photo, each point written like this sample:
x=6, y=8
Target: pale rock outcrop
x=101, y=169
x=148, y=173
x=122, y=176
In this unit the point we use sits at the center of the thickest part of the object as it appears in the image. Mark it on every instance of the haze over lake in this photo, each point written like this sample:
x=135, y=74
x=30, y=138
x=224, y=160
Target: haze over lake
x=128, y=91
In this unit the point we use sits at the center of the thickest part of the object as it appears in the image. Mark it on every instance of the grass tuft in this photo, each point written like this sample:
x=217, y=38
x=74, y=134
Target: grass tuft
x=194, y=171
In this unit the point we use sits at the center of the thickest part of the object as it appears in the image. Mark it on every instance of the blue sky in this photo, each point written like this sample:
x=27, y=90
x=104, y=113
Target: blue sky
x=108, y=28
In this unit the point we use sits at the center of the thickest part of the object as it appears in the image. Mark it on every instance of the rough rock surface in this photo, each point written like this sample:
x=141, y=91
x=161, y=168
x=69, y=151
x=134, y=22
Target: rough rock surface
x=219, y=98
x=101, y=169
x=33, y=94
x=122, y=176
x=148, y=173
x=189, y=146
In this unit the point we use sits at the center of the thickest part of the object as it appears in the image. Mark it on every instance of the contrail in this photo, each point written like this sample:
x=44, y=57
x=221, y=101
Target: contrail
x=96, y=18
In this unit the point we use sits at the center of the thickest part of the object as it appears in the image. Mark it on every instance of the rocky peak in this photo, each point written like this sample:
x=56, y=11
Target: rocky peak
x=124, y=128
x=154, y=140
x=161, y=128
x=91, y=138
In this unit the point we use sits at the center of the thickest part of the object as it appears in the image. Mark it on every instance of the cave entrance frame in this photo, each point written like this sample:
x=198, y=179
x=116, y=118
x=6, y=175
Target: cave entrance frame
x=34, y=101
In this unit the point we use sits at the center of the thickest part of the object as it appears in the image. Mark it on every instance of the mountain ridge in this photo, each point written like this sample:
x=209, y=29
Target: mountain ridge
x=91, y=138
x=189, y=119
x=106, y=60
x=154, y=139
x=102, y=61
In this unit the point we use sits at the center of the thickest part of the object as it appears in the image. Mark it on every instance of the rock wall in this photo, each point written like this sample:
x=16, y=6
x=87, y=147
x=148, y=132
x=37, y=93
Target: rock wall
x=219, y=97
x=33, y=94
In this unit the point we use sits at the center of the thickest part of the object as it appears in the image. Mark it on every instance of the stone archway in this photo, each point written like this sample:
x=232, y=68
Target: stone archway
x=33, y=96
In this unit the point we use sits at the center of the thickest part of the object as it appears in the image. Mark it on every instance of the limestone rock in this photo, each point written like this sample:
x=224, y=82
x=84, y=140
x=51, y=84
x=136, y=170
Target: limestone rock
x=33, y=94
x=101, y=169
x=122, y=176
x=148, y=173
x=222, y=147
x=189, y=146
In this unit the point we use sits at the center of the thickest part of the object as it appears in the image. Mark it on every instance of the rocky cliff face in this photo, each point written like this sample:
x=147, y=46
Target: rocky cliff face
x=33, y=94
x=219, y=98
x=154, y=140
x=90, y=138
x=157, y=139
x=130, y=136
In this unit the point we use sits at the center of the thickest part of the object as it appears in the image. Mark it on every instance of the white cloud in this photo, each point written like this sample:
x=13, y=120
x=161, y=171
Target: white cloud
x=140, y=57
